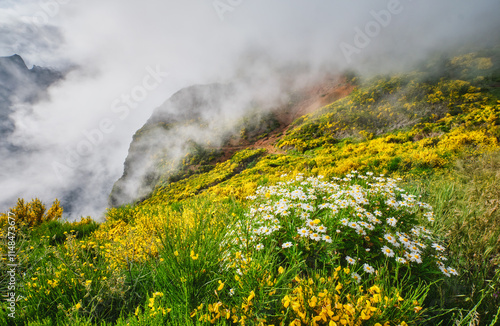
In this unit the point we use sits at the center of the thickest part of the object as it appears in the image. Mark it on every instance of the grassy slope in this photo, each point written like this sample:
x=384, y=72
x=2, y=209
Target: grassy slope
x=439, y=134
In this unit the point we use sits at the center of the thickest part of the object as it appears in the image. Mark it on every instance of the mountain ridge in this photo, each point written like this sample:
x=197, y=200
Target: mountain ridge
x=19, y=84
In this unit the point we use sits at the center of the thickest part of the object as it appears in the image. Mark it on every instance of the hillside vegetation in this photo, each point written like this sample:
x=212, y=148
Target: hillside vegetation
x=380, y=208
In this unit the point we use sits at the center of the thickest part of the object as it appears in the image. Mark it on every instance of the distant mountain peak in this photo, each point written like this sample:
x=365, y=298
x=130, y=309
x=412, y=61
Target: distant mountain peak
x=18, y=83
x=14, y=60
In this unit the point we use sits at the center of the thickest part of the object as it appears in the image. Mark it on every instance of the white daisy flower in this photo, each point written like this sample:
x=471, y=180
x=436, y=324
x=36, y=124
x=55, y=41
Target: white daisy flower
x=311, y=224
x=315, y=236
x=326, y=238
x=415, y=257
x=360, y=231
x=321, y=229
x=392, y=221
x=387, y=251
x=356, y=277
x=304, y=215
x=303, y=232
x=367, y=268
x=405, y=241
x=430, y=216
x=444, y=270
x=414, y=249
x=353, y=225
x=370, y=227
x=389, y=237
x=438, y=247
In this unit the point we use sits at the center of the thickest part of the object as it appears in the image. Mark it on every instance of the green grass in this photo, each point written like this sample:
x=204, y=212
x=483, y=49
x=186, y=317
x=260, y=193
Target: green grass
x=466, y=201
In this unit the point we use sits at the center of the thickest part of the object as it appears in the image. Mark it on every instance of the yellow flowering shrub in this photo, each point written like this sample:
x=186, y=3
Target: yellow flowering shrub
x=197, y=183
x=33, y=213
x=318, y=299
x=126, y=243
x=332, y=301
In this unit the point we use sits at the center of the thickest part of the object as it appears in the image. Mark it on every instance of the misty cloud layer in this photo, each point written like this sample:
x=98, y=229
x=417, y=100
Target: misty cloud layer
x=136, y=54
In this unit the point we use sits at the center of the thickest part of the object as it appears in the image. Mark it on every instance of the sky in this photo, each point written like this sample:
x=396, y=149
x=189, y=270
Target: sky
x=125, y=58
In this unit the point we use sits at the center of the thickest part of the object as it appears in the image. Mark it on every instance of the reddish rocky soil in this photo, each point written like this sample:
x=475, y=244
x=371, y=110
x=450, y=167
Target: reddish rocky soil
x=311, y=98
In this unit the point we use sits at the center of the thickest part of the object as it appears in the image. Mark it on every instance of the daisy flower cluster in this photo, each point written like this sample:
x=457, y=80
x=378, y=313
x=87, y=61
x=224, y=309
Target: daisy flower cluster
x=367, y=219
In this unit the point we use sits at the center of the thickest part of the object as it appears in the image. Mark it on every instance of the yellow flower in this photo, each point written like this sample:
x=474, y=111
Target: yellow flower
x=251, y=296
x=193, y=256
x=364, y=315
x=286, y=301
x=176, y=253
x=221, y=285
x=281, y=270
x=323, y=294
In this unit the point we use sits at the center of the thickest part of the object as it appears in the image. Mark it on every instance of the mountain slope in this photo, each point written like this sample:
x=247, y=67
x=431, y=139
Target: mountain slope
x=193, y=130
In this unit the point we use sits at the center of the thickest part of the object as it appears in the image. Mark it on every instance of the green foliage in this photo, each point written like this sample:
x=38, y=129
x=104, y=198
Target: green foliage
x=56, y=231
x=466, y=205
x=197, y=183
